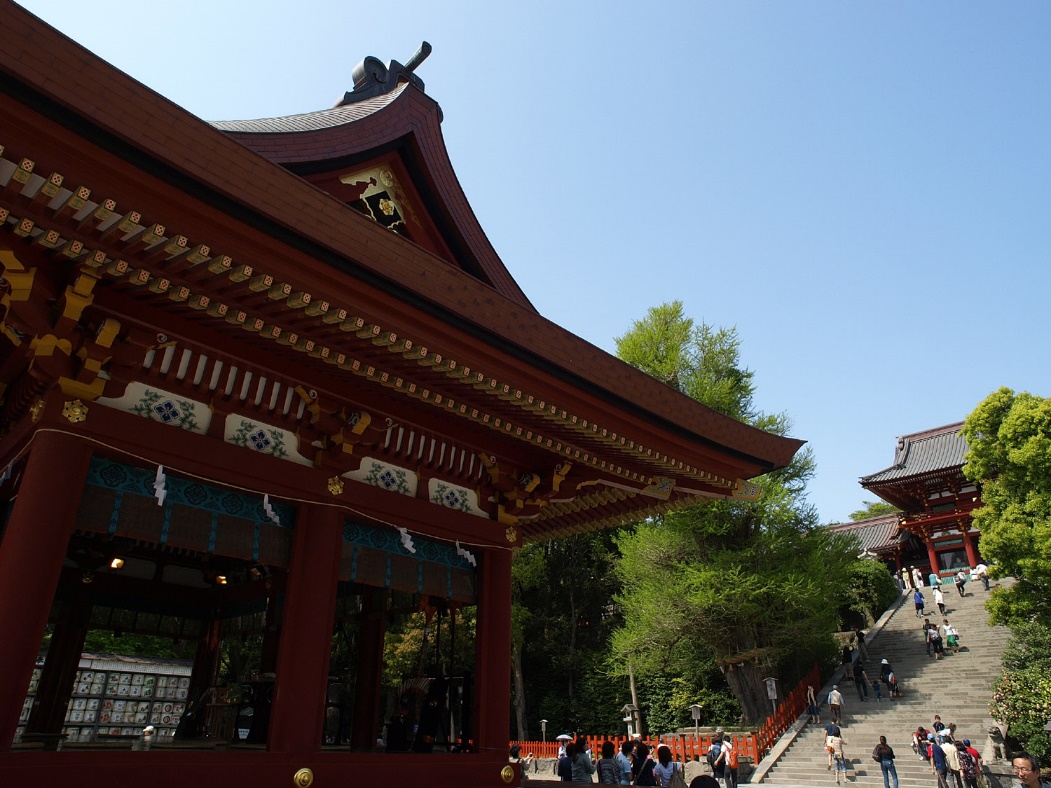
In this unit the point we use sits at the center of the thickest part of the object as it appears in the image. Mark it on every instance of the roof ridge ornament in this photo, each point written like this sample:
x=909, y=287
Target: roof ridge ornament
x=372, y=78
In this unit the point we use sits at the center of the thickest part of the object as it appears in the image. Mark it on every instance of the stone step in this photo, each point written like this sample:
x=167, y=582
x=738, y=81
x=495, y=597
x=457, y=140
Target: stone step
x=930, y=686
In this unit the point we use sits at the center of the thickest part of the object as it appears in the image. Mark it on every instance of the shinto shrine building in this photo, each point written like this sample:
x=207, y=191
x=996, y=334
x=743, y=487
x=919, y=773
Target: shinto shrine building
x=267, y=385
x=927, y=484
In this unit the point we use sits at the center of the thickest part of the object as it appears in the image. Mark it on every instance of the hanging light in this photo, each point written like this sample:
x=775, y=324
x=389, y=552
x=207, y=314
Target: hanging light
x=116, y=563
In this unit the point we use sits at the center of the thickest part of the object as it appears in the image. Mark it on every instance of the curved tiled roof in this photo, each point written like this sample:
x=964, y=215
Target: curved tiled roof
x=924, y=452
x=874, y=533
x=312, y=121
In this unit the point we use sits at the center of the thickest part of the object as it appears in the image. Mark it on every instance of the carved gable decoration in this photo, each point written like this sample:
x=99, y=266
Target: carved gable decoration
x=381, y=197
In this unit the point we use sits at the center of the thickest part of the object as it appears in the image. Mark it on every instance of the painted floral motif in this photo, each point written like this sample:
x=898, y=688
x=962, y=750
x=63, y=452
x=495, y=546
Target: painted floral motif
x=451, y=497
x=263, y=439
x=393, y=479
x=156, y=406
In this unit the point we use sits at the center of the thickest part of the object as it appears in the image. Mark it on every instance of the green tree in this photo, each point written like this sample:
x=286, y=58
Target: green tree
x=754, y=586
x=562, y=601
x=1022, y=694
x=872, y=590
x=702, y=362
x=1009, y=440
x=873, y=509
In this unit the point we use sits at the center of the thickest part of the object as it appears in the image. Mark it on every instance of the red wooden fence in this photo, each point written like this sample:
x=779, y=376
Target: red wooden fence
x=690, y=747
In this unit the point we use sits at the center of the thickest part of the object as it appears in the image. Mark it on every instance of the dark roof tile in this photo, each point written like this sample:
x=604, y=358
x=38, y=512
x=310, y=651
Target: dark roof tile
x=874, y=533
x=924, y=452
x=311, y=121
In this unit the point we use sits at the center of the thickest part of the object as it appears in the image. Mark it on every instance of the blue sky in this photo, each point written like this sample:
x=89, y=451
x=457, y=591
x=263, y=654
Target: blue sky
x=862, y=189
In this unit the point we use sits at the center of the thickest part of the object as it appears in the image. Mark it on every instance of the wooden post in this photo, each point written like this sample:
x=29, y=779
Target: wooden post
x=368, y=693
x=297, y=714
x=932, y=555
x=968, y=545
x=31, y=555
x=63, y=656
x=493, y=657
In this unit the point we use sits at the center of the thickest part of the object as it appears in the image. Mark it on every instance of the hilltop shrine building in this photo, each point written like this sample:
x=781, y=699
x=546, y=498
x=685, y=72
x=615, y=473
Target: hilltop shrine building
x=267, y=385
x=926, y=483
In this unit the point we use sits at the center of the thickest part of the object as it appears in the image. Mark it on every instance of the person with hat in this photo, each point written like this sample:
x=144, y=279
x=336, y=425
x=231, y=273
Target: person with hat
x=919, y=601
x=917, y=578
x=884, y=671
x=974, y=753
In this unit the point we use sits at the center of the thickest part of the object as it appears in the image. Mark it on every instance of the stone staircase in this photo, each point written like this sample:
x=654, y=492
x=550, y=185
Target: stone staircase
x=957, y=687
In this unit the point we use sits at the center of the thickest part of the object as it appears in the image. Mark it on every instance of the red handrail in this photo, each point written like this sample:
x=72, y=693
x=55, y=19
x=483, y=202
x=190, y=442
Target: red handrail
x=690, y=746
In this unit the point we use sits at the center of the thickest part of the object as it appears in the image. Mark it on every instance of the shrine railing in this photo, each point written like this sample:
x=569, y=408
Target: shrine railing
x=693, y=747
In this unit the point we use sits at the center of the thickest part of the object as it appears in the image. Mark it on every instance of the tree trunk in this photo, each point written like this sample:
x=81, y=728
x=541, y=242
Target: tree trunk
x=746, y=681
x=519, y=693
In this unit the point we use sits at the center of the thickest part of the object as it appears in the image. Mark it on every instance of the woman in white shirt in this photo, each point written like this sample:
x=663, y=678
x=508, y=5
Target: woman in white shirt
x=665, y=766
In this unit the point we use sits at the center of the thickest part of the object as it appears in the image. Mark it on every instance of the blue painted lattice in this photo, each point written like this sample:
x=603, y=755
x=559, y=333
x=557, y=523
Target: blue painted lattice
x=125, y=479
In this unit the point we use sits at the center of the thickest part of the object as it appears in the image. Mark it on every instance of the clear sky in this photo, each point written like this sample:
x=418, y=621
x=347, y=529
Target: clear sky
x=862, y=189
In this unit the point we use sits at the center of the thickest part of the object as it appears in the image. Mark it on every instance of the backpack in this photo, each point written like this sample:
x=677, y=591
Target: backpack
x=731, y=758
x=676, y=780
x=713, y=753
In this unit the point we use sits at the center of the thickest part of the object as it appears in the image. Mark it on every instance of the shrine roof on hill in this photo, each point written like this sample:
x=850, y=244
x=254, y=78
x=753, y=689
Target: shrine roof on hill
x=922, y=453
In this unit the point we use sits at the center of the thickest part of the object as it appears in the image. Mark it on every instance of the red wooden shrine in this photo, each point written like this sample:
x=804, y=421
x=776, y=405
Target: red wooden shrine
x=277, y=370
x=926, y=482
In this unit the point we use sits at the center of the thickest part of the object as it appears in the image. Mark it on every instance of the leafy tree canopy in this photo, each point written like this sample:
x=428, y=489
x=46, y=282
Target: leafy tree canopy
x=872, y=509
x=1009, y=437
x=753, y=584
x=1022, y=694
x=700, y=361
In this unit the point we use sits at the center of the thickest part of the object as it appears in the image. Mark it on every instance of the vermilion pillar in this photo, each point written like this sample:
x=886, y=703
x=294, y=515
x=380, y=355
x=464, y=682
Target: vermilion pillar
x=968, y=545
x=933, y=556
x=205, y=662
x=493, y=686
x=63, y=657
x=368, y=692
x=297, y=715
x=31, y=555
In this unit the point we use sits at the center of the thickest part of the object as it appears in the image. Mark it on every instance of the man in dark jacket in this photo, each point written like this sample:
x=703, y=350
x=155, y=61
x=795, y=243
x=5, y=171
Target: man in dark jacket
x=861, y=680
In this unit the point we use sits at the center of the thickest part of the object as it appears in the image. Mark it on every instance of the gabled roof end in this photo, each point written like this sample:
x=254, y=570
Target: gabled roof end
x=372, y=78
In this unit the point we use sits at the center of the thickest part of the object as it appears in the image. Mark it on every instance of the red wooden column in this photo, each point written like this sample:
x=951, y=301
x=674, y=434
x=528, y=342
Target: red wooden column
x=297, y=715
x=63, y=656
x=205, y=666
x=932, y=555
x=968, y=545
x=493, y=659
x=369, y=691
x=31, y=555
